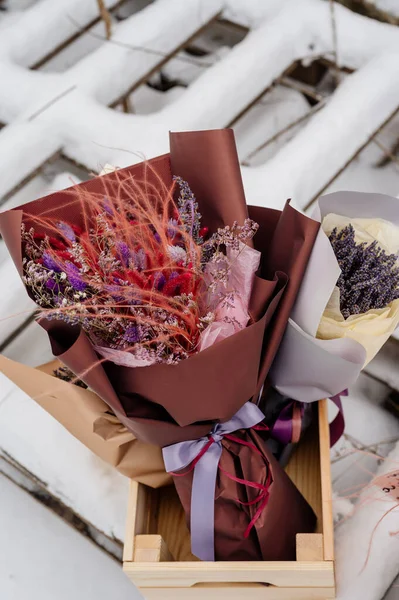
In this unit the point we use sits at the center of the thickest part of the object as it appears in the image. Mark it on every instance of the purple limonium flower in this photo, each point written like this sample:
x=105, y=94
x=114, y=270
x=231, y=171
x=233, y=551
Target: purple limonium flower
x=115, y=292
x=140, y=260
x=369, y=276
x=159, y=281
x=74, y=277
x=123, y=251
x=132, y=334
x=52, y=285
x=66, y=231
x=172, y=229
x=108, y=207
x=50, y=263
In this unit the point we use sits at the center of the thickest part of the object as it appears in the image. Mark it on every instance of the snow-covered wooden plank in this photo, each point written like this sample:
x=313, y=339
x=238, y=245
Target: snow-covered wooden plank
x=368, y=427
x=139, y=45
x=358, y=38
x=218, y=95
x=277, y=110
x=68, y=470
x=31, y=347
x=355, y=112
x=48, y=100
x=40, y=29
x=43, y=558
x=385, y=366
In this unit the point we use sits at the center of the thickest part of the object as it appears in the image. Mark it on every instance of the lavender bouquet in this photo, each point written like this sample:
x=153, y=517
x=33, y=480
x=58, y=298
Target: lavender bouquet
x=348, y=304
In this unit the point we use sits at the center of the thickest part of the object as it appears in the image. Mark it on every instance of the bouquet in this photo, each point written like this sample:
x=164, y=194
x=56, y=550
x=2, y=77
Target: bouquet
x=168, y=296
x=348, y=303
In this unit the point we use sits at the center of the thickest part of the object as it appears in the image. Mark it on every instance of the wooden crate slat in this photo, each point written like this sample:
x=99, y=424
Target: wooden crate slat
x=326, y=483
x=186, y=574
x=238, y=592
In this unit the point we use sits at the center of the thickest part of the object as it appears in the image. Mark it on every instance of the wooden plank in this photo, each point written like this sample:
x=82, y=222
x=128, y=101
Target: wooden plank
x=186, y=574
x=308, y=479
x=151, y=548
x=83, y=28
x=352, y=157
x=163, y=60
x=326, y=485
x=172, y=525
x=238, y=592
x=137, y=519
x=128, y=550
x=309, y=546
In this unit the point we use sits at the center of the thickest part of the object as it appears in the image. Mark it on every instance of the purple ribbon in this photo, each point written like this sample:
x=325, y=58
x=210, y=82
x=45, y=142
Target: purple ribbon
x=181, y=455
x=337, y=426
x=283, y=428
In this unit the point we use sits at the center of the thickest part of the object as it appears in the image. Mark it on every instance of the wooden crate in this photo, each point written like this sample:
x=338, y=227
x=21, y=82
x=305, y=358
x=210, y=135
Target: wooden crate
x=157, y=555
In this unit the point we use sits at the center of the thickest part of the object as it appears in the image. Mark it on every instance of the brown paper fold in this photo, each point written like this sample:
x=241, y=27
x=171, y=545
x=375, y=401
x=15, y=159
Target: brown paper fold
x=86, y=417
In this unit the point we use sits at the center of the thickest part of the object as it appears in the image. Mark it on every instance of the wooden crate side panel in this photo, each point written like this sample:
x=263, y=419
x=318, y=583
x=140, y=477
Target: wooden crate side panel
x=186, y=574
x=140, y=501
x=304, y=470
x=238, y=592
x=172, y=525
x=326, y=484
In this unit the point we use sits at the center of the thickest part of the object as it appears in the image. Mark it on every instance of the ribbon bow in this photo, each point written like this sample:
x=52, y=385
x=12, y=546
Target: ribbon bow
x=204, y=455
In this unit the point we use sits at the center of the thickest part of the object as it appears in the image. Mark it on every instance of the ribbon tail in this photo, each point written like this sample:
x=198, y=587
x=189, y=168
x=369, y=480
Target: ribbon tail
x=282, y=429
x=337, y=426
x=202, y=522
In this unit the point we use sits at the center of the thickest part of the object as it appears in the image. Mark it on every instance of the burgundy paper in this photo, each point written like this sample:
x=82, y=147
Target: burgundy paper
x=286, y=513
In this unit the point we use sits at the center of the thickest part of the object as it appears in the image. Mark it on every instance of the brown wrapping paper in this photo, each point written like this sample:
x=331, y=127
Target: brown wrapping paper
x=286, y=513
x=87, y=418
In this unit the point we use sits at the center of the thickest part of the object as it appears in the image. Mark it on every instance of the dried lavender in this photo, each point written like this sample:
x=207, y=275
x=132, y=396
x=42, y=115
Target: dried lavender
x=67, y=375
x=188, y=210
x=369, y=276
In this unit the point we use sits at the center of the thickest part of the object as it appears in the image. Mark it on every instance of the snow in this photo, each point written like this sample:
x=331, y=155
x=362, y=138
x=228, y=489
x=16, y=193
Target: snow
x=275, y=111
x=331, y=138
x=43, y=558
x=251, y=14
x=389, y=6
x=69, y=470
x=385, y=365
x=45, y=25
x=219, y=94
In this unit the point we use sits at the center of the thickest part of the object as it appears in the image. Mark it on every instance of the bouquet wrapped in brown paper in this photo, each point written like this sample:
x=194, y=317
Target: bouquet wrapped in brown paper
x=154, y=293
